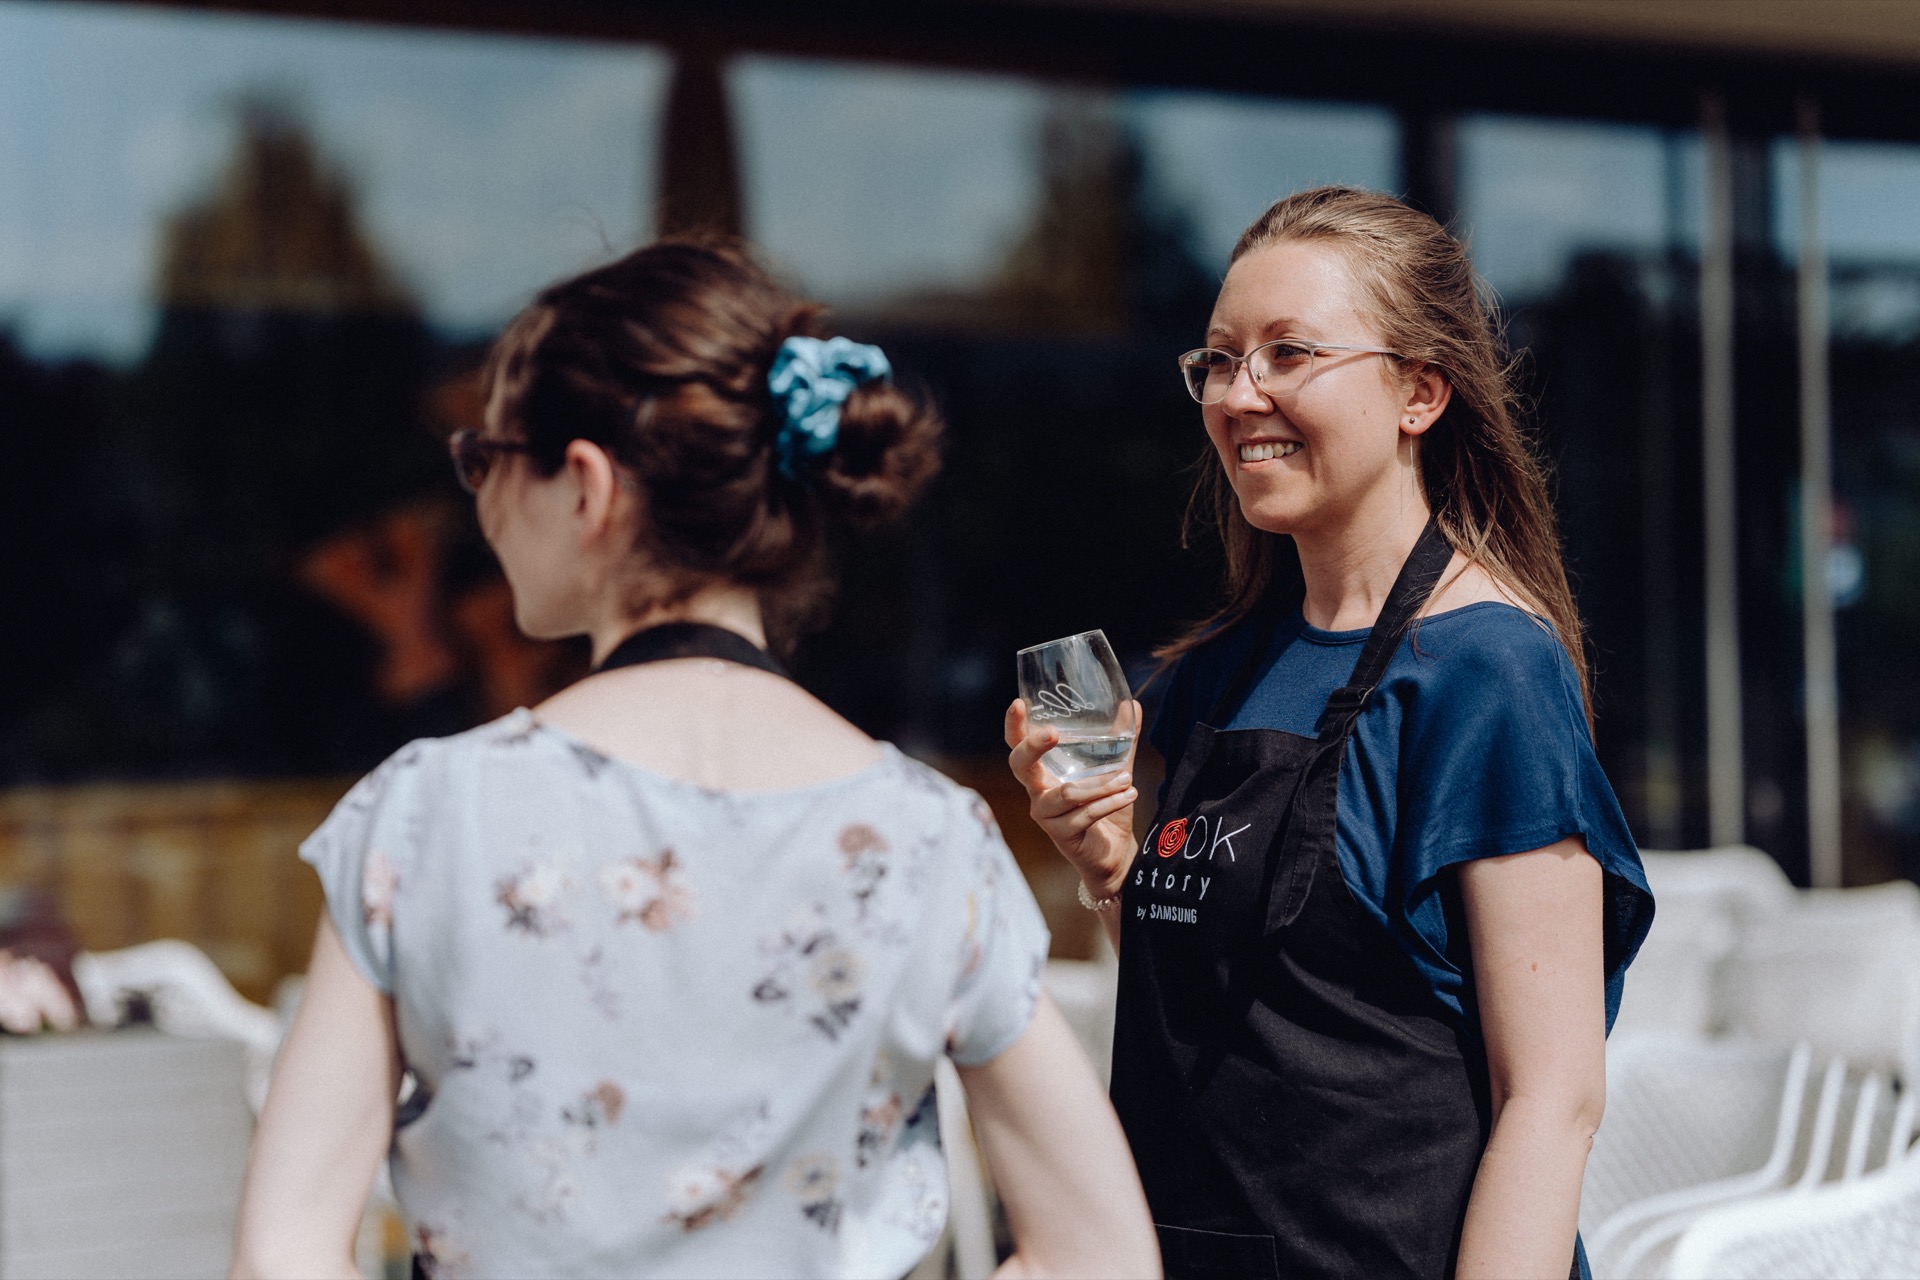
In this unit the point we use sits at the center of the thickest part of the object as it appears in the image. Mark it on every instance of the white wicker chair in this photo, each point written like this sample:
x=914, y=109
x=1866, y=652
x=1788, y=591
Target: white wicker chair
x=1707, y=898
x=1865, y=1226
x=1644, y=1252
x=1688, y=1123
x=1839, y=969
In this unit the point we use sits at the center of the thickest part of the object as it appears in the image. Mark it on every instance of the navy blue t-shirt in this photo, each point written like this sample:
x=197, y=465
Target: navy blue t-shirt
x=1473, y=745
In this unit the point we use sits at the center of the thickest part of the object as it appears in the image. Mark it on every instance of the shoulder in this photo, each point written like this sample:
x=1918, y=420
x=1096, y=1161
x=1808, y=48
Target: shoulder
x=1487, y=659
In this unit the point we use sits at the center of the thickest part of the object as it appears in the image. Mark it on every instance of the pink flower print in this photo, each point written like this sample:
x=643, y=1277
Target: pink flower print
x=835, y=976
x=378, y=883
x=650, y=891
x=533, y=900
x=858, y=840
x=864, y=852
x=700, y=1195
x=600, y=1105
x=813, y=1179
x=877, y=1121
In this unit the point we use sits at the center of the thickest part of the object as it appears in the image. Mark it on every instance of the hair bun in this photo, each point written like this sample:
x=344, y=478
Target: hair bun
x=887, y=451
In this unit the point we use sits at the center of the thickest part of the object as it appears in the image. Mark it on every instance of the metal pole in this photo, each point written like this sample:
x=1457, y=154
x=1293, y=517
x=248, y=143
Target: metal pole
x=1726, y=785
x=1816, y=523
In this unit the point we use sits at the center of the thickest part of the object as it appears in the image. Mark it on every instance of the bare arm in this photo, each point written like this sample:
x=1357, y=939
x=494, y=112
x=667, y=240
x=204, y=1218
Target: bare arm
x=325, y=1128
x=1535, y=922
x=1090, y=822
x=1059, y=1159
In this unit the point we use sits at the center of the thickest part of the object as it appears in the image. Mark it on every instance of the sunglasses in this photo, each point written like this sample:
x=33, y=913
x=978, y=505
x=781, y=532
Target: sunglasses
x=473, y=455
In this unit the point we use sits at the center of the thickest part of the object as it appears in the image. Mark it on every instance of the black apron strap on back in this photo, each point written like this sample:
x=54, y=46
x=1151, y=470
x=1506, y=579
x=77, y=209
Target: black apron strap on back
x=1418, y=576
x=689, y=640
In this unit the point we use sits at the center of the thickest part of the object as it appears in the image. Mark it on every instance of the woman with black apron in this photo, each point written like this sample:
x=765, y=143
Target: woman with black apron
x=1372, y=941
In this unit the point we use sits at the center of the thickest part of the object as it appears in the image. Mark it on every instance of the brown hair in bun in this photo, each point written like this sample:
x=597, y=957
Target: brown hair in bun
x=662, y=359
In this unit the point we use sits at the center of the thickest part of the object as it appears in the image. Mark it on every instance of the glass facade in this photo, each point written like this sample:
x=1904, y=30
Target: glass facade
x=247, y=265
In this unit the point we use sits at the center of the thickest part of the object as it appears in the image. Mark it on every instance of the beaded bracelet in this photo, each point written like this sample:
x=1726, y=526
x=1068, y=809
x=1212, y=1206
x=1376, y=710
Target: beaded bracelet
x=1092, y=903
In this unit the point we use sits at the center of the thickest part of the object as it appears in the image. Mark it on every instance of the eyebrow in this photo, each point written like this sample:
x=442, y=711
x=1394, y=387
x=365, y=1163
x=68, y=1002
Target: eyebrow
x=1271, y=327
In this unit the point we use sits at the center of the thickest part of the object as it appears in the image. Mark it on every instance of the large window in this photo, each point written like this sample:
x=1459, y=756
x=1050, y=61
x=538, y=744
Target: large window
x=1589, y=235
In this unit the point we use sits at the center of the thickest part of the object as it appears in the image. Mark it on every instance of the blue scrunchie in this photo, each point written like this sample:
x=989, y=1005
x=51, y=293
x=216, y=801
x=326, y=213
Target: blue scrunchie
x=810, y=380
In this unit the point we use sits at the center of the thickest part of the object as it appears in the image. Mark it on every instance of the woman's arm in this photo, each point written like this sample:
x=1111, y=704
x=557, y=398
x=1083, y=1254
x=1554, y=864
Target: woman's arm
x=1090, y=822
x=1059, y=1159
x=326, y=1126
x=1535, y=922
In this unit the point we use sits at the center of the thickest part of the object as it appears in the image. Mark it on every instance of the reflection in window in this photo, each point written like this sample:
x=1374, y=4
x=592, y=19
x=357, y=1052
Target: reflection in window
x=245, y=267
x=1870, y=224
x=1535, y=194
x=480, y=167
x=1589, y=234
x=874, y=183
x=1221, y=160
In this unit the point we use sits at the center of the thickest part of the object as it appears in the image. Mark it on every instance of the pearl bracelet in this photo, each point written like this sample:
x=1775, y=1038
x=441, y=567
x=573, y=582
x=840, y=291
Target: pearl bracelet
x=1092, y=903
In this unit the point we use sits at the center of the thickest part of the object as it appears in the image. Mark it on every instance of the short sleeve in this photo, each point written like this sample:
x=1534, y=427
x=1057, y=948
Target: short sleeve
x=363, y=853
x=1003, y=950
x=1496, y=760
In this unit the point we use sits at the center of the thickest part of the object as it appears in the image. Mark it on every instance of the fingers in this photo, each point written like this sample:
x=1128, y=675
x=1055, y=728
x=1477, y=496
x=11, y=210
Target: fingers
x=1070, y=796
x=1024, y=759
x=1015, y=726
x=1074, y=823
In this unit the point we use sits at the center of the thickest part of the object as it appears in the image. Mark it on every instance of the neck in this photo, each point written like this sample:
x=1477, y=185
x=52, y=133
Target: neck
x=727, y=605
x=1349, y=570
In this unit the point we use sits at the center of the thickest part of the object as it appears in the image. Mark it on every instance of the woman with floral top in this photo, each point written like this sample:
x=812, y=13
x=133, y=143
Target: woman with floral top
x=670, y=958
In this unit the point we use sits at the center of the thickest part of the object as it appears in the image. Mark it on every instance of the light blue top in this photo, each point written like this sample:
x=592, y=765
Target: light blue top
x=663, y=1030
x=1473, y=745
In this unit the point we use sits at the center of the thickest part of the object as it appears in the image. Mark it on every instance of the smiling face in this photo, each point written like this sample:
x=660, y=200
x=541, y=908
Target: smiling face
x=1339, y=448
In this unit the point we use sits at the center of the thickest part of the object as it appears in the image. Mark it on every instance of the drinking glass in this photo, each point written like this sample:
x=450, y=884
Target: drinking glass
x=1075, y=685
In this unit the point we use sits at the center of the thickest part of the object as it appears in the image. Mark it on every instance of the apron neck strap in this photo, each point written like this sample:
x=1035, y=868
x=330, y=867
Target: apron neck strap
x=672, y=640
x=1418, y=576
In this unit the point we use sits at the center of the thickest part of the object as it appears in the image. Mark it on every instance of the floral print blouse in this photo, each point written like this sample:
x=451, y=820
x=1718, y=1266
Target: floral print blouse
x=656, y=1029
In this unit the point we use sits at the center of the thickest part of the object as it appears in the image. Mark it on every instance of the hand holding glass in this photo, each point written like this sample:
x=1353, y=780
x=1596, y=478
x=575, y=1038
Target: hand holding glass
x=1076, y=686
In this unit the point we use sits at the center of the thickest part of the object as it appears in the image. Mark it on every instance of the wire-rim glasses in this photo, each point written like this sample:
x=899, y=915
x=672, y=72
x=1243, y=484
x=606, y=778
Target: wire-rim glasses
x=473, y=455
x=1277, y=367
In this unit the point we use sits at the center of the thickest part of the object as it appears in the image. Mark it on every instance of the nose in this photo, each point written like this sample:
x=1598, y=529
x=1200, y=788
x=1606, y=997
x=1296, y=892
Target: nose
x=1244, y=395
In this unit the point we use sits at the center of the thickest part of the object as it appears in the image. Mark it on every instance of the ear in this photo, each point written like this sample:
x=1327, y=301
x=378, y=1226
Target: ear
x=602, y=503
x=1428, y=395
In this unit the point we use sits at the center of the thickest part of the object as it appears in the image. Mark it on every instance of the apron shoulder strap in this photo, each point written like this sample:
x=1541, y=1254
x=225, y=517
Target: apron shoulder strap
x=689, y=640
x=1418, y=576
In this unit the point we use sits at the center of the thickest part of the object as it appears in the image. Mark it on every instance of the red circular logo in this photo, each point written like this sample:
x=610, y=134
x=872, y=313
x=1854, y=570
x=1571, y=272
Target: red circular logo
x=1172, y=836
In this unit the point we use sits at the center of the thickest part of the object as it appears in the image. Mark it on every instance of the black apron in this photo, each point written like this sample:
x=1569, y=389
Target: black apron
x=1298, y=1100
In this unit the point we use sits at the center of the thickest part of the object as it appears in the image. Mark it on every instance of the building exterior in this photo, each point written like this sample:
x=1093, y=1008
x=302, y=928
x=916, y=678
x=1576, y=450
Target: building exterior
x=254, y=251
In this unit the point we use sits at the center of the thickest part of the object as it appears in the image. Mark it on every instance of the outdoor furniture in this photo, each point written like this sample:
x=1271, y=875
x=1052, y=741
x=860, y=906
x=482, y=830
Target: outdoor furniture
x=1688, y=1123
x=1839, y=969
x=121, y=1154
x=1706, y=900
x=1862, y=1226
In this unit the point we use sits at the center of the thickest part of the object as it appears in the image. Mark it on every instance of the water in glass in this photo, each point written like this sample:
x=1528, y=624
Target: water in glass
x=1075, y=685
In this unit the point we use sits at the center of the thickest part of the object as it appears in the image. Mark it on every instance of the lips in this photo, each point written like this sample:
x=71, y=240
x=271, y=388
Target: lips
x=1266, y=450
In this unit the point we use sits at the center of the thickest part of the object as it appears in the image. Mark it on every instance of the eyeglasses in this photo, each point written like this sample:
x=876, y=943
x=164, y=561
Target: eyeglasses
x=473, y=455
x=1278, y=367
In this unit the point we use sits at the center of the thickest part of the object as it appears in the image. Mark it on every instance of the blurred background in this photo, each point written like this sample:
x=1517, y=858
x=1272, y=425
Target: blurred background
x=249, y=259
x=251, y=254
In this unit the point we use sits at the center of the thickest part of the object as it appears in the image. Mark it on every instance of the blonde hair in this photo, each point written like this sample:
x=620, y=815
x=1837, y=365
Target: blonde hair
x=1476, y=471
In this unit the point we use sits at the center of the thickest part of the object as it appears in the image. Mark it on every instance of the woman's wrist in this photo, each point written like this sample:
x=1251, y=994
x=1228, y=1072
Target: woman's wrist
x=1103, y=887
